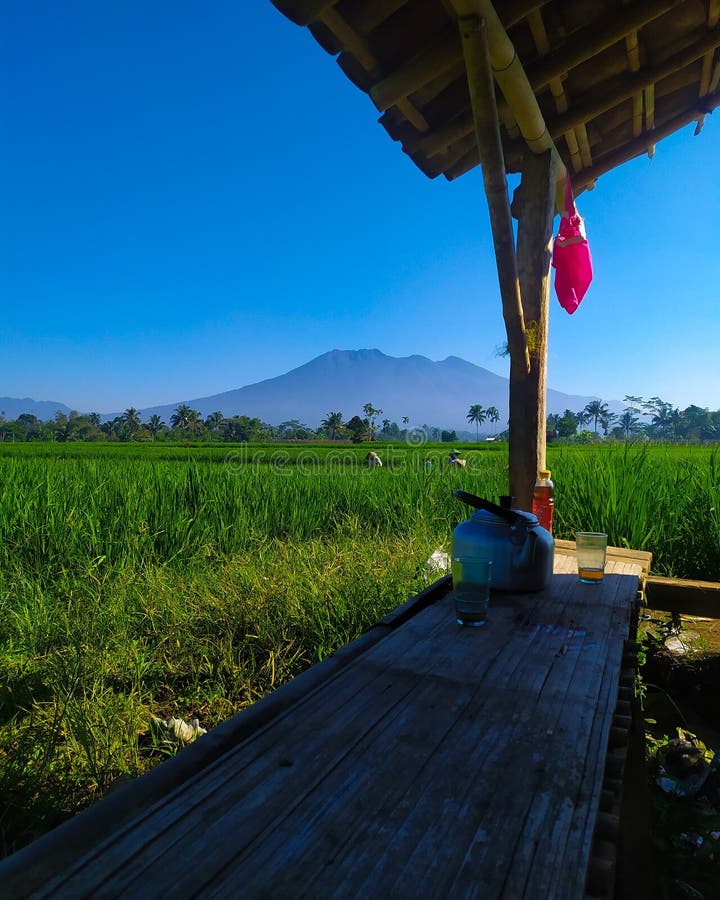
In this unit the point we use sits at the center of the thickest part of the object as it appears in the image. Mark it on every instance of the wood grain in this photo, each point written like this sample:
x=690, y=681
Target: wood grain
x=440, y=761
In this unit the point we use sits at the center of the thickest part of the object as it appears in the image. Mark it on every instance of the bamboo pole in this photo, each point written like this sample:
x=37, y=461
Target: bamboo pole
x=473, y=35
x=649, y=102
x=632, y=49
x=706, y=76
x=640, y=145
x=358, y=47
x=595, y=38
x=513, y=82
x=715, y=80
x=542, y=43
x=585, y=111
x=582, y=112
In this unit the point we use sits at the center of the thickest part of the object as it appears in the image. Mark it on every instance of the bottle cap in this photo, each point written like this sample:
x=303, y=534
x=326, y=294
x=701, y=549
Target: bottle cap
x=544, y=473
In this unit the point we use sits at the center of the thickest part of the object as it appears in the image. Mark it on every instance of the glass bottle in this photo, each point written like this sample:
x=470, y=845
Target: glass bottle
x=543, y=499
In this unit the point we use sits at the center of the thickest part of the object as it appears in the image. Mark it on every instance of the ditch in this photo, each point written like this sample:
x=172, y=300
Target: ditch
x=679, y=685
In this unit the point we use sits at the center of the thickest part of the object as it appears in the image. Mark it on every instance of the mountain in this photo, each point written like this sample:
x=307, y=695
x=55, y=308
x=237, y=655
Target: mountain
x=434, y=393
x=438, y=394
x=12, y=407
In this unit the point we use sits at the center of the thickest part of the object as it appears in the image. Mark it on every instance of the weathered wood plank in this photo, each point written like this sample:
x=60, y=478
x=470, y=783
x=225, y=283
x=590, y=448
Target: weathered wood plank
x=619, y=554
x=468, y=762
x=684, y=596
x=528, y=395
x=268, y=775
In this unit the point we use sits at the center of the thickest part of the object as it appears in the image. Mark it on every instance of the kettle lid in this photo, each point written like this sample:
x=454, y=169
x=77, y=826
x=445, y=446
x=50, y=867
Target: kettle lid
x=522, y=518
x=496, y=514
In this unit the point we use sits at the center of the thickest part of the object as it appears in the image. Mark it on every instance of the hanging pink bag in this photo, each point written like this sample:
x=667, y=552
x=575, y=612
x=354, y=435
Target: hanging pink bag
x=571, y=256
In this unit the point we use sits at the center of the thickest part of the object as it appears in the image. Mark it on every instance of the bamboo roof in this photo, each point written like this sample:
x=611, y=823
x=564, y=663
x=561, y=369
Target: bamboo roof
x=611, y=78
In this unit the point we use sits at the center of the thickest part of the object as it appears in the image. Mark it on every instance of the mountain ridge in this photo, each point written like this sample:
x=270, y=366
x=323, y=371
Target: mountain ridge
x=436, y=393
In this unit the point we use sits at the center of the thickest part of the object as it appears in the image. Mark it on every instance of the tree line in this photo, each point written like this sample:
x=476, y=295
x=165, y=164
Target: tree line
x=652, y=419
x=187, y=423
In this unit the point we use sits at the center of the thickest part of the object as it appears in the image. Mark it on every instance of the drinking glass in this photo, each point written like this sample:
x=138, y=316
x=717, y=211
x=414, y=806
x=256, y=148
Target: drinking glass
x=471, y=589
x=591, y=548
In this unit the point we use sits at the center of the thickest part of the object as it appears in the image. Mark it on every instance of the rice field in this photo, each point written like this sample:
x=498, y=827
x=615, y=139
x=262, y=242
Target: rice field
x=155, y=580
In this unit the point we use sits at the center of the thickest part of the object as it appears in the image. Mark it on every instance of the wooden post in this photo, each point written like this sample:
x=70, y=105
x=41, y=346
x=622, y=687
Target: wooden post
x=528, y=411
x=524, y=288
x=487, y=131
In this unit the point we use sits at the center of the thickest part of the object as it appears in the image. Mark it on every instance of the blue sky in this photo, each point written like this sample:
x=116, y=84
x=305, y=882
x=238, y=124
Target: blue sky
x=195, y=198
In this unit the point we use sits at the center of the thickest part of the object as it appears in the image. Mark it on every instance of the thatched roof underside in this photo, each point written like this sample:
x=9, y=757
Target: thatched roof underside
x=611, y=78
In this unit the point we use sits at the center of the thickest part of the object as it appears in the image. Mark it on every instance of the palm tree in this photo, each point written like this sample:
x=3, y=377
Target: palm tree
x=332, y=423
x=155, y=424
x=492, y=413
x=406, y=420
x=131, y=418
x=629, y=423
x=477, y=415
x=185, y=417
x=675, y=421
x=214, y=421
x=372, y=415
x=607, y=420
x=195, y=422
x=595, y=410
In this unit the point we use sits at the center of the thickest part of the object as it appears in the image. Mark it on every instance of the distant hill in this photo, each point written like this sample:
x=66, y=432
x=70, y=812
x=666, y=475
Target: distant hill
x=12, y=407
x=434, y=393
x=438, y=394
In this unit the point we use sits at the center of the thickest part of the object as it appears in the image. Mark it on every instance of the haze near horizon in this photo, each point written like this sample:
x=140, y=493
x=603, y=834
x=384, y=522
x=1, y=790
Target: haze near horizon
x=168, y=234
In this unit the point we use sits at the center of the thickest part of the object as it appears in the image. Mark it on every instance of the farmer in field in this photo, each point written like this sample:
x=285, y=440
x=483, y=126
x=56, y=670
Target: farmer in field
x=454, y=459
x=373, y=460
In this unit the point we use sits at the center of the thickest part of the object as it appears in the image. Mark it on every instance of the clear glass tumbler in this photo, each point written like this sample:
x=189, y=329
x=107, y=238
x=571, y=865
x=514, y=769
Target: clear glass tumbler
x=471, y=589
x=591, y=548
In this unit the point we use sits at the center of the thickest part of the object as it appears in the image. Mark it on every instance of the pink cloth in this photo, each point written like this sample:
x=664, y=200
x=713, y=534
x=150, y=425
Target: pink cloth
x=571, y=256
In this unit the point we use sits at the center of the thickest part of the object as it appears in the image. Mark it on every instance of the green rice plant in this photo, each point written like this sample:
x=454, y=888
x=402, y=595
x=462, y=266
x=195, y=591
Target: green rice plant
x=151, y=580
x=657, y=499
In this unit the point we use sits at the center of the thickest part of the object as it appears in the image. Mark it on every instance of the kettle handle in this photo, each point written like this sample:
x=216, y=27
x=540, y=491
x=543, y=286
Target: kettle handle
x=512, y=517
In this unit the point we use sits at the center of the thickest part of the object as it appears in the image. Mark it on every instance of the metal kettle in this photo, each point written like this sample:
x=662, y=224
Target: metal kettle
x=522, y=552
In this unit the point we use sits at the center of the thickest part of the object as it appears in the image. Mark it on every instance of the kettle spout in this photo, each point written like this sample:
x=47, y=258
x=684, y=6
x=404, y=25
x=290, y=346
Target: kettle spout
x=524, y=557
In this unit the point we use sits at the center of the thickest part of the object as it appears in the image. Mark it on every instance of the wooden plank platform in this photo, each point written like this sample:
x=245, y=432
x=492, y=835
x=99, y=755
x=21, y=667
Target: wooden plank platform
x=427, y=760
x=685, y=596
x=621, y=554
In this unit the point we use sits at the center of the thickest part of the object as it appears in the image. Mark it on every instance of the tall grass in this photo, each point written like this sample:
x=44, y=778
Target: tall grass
x=189, y=581
x=662, y=499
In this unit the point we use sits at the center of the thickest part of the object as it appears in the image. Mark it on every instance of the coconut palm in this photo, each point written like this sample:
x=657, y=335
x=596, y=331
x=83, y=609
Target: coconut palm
x=186, y=418
x=581, y=418
x=155, y=424
x=607, y=420
x=332, y=423
x=477, y=415
x=214, y=421
x=595, y=410
x=629, y=423
x=492, y=413
x=131, y=418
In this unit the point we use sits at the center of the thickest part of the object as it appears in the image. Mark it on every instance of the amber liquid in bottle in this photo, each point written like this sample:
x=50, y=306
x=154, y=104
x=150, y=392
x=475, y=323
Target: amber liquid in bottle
x=543, y=502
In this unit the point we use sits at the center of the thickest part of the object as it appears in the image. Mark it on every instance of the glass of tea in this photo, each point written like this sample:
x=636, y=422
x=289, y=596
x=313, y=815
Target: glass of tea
x=591, y=547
